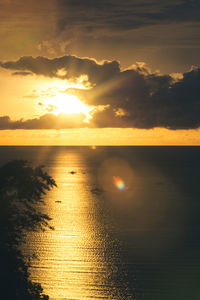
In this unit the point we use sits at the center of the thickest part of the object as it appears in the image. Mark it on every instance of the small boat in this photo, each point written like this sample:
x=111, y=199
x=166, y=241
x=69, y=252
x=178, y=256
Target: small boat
x=97, y=191
x=72, y=172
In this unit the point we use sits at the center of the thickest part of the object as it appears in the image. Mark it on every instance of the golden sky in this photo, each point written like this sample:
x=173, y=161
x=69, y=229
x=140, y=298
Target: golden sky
x=99, y=73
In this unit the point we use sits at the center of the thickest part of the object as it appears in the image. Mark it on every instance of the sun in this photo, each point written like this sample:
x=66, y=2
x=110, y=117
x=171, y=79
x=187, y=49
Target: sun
x=63, y=103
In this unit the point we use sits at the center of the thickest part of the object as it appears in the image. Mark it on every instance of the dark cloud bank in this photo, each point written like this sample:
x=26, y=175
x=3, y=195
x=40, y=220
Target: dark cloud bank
x=133, y=98
x=124, y=15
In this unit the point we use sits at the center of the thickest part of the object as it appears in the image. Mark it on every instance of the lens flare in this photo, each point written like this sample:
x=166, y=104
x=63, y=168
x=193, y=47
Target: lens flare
x=119, y=183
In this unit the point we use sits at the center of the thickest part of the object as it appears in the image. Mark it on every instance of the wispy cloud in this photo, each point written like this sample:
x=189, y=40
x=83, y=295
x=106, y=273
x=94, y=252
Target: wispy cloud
x=124, y=15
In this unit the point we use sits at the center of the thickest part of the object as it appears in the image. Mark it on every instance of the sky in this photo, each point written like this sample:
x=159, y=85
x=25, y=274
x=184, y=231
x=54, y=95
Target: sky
x=99, y=72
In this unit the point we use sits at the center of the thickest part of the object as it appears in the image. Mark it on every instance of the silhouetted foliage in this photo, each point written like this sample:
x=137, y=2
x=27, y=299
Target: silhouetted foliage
x=21, y=189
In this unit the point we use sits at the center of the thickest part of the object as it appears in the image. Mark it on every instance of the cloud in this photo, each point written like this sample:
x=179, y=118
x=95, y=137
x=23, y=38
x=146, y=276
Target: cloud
x=135, y=97
x=22, y=73
x=120, y=15
x=74, y=67
x=150, y=100
x=89, y=16
x=150, y=30
x=47, y=121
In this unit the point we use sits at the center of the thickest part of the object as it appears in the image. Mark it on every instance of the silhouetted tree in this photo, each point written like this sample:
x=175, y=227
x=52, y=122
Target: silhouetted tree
x=21, y=189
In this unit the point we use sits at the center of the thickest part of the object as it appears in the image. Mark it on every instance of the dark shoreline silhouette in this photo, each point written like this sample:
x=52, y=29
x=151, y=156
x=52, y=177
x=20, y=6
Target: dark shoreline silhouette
x=21, y=189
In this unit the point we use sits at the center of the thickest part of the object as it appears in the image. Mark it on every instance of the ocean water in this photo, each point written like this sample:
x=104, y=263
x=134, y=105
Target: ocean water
x=126, y=221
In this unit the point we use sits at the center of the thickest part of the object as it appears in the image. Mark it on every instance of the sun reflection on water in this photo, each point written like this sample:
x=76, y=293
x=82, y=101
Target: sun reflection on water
x=73, y=260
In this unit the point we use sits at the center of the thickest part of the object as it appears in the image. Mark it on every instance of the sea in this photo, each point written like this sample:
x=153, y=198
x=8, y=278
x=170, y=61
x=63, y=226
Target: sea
x=126, y=222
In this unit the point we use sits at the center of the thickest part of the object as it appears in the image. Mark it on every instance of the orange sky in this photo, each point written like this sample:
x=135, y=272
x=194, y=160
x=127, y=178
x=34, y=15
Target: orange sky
x=102, y=78
x=100, y=137
x=22, y=101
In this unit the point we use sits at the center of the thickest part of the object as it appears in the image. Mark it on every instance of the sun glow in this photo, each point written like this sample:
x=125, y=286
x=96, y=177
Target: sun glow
x=63, y=103
x=57, y=97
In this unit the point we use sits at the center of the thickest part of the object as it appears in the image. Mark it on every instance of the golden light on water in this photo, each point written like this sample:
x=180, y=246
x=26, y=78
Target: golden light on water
x=94, y=215
x=72, y=261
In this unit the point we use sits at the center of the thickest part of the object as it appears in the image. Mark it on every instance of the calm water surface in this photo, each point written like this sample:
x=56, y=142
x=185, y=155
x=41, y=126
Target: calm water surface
x=138, y=239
